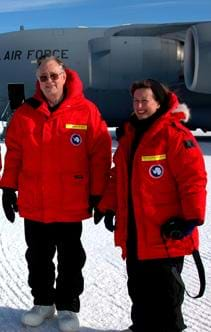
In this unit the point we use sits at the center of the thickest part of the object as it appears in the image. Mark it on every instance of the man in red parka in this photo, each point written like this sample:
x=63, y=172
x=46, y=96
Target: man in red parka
x=157, y=192
x=58, y=159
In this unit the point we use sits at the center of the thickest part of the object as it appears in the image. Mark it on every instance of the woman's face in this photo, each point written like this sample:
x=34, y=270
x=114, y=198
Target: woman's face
x=144, y=103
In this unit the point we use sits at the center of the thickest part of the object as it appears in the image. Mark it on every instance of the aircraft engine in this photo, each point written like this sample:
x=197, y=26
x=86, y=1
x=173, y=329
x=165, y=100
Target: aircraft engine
x=197, y=58
x=115, y=62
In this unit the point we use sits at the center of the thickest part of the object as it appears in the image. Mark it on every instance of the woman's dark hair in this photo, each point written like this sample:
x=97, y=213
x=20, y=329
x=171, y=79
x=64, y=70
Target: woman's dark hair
x=160, y=91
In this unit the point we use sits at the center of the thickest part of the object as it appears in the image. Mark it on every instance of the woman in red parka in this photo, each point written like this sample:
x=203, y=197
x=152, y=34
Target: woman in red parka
x=58, y=160
x=159, y=179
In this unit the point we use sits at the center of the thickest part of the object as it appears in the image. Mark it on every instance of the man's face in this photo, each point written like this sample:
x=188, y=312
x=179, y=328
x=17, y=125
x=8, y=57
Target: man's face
x=144, y=103
x=52, y=78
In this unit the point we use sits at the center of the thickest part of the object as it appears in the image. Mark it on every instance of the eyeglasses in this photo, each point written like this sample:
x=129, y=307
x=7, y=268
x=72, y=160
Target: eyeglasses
x=52, y=76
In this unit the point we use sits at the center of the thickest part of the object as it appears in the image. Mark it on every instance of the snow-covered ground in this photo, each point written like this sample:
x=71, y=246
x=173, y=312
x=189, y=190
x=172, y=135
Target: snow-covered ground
x=105, y=305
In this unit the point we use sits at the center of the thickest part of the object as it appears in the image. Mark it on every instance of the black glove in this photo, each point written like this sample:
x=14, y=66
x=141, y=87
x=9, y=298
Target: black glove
x=108, y=219
x=98, y=216
x=176, y=228
x=93, y=202
x=9, y=202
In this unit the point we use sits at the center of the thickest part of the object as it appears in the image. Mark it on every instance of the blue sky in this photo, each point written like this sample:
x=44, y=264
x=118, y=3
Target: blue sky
x=34, y=14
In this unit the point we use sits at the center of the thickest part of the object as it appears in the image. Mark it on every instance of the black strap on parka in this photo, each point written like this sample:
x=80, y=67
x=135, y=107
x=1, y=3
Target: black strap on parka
x=201, y=274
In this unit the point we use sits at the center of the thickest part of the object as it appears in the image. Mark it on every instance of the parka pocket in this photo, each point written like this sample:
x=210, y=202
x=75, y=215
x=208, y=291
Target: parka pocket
x=75, y=191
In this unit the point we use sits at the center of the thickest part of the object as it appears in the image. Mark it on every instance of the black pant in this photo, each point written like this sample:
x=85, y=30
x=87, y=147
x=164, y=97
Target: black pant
x=43, y=240
x=156, y=295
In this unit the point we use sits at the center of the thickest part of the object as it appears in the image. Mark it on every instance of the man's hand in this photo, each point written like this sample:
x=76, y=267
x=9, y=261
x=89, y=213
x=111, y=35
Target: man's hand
x=9, y=203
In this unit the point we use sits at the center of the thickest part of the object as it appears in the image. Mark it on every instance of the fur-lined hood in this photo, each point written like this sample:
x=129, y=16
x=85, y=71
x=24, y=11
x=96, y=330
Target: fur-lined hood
x=183, y=111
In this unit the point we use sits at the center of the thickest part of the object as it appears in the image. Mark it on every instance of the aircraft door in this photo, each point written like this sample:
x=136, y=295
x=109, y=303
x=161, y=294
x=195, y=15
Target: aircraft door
x=16, y=95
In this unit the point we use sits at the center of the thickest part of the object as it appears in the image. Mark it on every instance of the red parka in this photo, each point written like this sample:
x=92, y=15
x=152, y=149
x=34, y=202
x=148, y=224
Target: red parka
x=0, y=160
x=168, y=180
x=57, y=160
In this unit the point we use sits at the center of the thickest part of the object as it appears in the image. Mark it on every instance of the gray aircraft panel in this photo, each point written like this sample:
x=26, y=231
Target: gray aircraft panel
x=108, y=60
